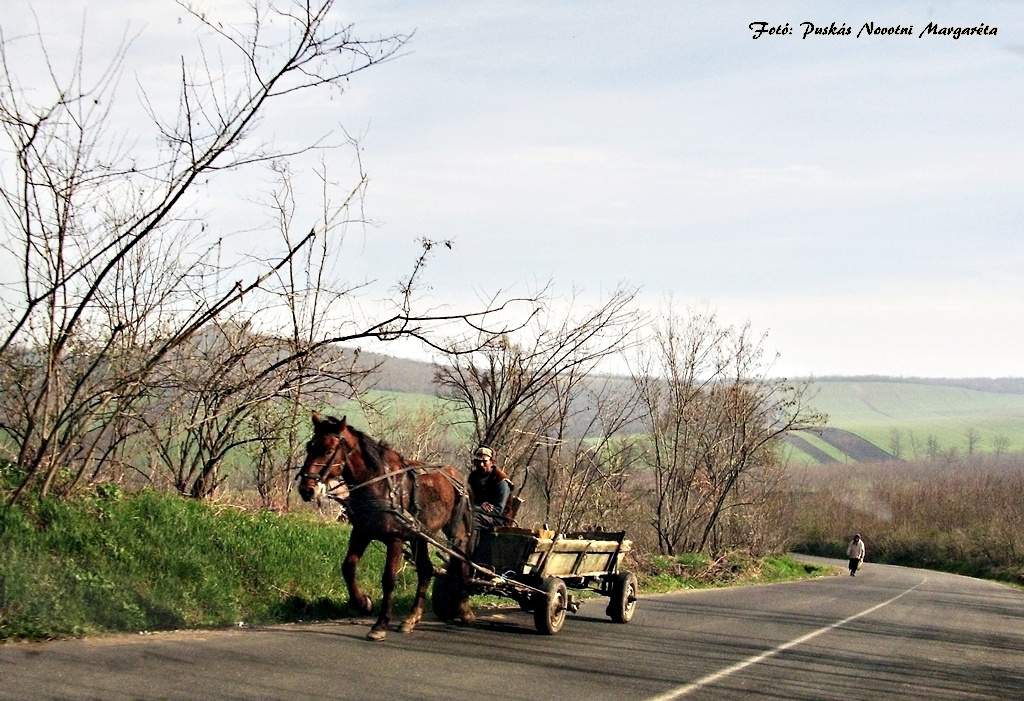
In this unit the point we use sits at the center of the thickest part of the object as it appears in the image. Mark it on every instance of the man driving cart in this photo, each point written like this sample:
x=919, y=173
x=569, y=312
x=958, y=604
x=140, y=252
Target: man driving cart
x=491, y=489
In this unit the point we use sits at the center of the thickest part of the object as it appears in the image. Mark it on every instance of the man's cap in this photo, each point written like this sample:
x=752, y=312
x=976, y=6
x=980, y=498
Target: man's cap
x=857, y=537
x=483, y=453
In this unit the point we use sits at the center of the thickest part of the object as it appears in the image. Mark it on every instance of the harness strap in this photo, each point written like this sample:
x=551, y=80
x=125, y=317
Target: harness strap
x=394, y=506
x=458, y=515
x=421, y=469
x=394, y=473
x=414, y=495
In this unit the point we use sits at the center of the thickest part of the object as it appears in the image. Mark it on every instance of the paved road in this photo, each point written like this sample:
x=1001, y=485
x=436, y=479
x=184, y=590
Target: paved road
x=888, y=633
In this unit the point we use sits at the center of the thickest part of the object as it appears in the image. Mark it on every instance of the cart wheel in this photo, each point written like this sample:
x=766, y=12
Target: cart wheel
x=622, y=602
x=549, y=608
x=444, y=598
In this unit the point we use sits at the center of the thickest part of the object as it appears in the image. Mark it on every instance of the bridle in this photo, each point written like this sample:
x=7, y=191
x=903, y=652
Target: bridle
x=321, y=476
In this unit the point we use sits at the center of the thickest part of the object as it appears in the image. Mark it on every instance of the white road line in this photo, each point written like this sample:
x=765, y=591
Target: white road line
x=743, y=664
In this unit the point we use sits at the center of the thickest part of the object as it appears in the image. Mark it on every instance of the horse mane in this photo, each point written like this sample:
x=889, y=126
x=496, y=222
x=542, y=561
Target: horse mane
x=374, y=452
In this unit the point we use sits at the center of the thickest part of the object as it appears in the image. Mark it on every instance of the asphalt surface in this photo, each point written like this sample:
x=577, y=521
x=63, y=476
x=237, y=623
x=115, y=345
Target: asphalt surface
x=889, y=633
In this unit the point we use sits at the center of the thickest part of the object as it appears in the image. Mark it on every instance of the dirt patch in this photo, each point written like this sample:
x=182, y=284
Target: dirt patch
x=852, y=445
x=812, y=450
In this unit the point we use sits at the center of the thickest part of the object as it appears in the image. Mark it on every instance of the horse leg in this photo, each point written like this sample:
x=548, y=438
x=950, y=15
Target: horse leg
x=466, y=536
x=387, y=582
x=466, y=614
x=357, y=543
x=424, y=571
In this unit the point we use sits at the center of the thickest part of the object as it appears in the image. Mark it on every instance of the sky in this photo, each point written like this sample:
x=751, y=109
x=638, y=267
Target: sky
x=858, y=198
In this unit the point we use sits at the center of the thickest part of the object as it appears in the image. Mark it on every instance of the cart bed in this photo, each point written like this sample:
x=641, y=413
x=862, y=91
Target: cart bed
x=537, y=553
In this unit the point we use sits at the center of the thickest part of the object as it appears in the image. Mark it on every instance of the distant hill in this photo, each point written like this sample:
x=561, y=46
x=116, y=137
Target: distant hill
x=871, y=417
x=913, y=417
x=400, y=374
x=849, y=444
x=997, y=385
x=809, y=449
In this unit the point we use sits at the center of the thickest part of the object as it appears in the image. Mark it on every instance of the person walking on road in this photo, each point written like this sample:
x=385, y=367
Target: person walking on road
x=855, y=551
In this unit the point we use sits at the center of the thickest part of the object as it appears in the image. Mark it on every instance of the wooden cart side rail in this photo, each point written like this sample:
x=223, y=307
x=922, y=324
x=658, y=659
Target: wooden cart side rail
x=580, y=557
x=542, y=566
x=617, y=536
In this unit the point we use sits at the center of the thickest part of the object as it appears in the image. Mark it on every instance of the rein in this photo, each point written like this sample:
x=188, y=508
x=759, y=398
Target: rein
x=319, y=476
x=433, y=468
x=393, y=505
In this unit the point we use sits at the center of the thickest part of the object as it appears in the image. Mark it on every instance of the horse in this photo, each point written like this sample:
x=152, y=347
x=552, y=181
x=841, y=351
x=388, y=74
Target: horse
x=393, y=501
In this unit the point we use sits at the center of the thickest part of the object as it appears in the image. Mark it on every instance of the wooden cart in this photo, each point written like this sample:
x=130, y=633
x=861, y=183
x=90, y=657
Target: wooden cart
x=537, y=568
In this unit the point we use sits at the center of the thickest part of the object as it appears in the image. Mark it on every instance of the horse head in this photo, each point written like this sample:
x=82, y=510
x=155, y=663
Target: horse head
x=321, y=473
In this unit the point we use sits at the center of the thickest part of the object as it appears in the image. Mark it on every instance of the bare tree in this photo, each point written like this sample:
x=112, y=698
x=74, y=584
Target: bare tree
x=1000, y=445
x=672, y=377
x=915, y=444
x=896, y=443
x=421, y=429
x=713, y=421
x=513, y=389
x=973, y=437
x=108, y=270
x=584, y=460
x=214, y=400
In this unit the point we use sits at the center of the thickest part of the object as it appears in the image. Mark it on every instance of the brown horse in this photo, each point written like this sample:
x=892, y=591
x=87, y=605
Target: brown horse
x=393, y=501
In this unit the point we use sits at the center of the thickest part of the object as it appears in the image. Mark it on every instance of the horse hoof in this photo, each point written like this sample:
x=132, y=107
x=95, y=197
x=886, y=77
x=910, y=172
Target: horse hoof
x=377, y=634
x=466, y=615
x=406, y=627
x=365, y=606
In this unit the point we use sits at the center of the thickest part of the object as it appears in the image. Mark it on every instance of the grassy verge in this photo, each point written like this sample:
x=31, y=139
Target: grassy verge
x=153, y=561
x=700, y=571
x=111, y=562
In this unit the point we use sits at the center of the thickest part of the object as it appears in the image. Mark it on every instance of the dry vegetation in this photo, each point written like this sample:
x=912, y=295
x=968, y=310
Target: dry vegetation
x=964, y=515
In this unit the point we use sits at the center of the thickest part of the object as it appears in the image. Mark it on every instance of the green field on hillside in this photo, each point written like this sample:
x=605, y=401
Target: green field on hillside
x=376, y=406
x=881, y=411
x=923, y=417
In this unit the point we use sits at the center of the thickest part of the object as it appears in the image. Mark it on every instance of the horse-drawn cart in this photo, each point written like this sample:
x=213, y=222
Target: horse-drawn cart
x=537, y=568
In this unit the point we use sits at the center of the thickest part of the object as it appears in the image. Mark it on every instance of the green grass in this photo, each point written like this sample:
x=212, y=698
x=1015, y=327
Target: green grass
x=902, y=401
x=387, y=403
x=873, y=409
x=823, y=446
x=377, y=409
x=792, y=453
x=700, y=571
x=156, y=561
